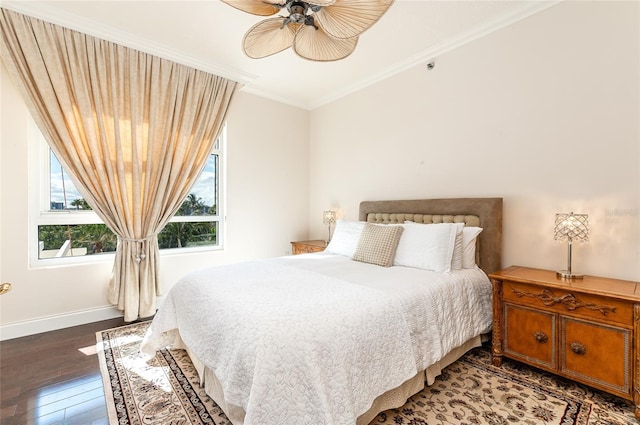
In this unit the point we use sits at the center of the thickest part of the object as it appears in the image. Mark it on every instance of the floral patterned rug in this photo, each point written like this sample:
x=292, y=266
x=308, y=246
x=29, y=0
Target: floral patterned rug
x=471, y=391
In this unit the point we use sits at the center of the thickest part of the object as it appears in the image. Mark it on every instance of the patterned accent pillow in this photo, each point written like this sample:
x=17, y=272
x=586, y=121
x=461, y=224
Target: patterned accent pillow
x=377, y=244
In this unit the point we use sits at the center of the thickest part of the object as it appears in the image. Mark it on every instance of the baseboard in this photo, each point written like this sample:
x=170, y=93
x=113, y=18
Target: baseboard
x=51, y=323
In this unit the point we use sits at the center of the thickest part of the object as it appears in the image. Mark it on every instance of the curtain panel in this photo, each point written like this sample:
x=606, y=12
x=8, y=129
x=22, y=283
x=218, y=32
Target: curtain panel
x=133, y=130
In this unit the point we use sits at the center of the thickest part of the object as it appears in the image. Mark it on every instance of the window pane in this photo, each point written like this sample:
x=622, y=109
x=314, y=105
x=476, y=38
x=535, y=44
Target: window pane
x=72, y=239
x=75, y=240
x=188, y=234
x=203, y=199
x=62, y=192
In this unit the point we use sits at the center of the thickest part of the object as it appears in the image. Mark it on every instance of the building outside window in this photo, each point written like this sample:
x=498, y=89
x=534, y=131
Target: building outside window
x=65, y=229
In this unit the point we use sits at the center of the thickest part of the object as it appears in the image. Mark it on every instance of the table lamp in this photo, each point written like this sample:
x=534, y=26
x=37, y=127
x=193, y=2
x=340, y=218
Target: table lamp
x=329, y=217
x=571, y=227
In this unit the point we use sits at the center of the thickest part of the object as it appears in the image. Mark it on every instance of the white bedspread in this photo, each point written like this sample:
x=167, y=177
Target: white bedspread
x=314, y=339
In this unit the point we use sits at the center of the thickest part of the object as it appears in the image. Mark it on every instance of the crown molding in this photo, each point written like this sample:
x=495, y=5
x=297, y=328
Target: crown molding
x=444, y=47
x=105, y=32
x=55, y=16
x=272, y=96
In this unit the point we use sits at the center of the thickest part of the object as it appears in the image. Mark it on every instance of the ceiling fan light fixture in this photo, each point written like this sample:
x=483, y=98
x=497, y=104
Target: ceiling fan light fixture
x=297, y=11
x=319, y=30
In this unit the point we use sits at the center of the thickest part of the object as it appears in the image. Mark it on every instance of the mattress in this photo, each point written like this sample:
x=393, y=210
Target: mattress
x=317, y=338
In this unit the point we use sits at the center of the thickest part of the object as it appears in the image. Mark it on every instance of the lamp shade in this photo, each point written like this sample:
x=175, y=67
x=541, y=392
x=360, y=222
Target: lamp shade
x=572, y=227
x=328, y=217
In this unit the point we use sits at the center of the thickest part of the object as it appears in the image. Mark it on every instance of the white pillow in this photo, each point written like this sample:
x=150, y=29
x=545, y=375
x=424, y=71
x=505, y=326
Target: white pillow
x=345, y=238
x=469, y=237
x=427, y=246
x=456, y=260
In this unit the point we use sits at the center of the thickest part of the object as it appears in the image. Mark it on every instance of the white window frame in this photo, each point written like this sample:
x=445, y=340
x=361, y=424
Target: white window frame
x=40, y=208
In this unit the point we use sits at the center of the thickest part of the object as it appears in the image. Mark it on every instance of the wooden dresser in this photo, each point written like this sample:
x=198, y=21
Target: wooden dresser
x=305, y=247
x=587, y=329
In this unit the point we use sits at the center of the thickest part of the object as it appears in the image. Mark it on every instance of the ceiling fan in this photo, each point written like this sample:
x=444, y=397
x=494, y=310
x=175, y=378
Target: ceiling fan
x=318, y=30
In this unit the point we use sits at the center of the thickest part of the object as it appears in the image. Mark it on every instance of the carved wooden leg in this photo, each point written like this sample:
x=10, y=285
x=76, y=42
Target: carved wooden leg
x=496, y=335
x=636, y=365
x=496, y=360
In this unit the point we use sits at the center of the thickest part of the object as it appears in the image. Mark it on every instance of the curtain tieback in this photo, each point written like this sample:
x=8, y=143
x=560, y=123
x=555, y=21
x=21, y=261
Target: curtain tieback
x=140, y=255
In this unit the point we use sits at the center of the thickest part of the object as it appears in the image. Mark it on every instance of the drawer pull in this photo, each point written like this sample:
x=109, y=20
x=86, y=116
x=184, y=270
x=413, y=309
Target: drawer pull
x=578, y=348
x=541, y=337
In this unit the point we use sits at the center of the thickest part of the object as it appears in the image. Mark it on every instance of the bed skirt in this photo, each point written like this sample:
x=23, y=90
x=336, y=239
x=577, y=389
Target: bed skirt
x=394, y=398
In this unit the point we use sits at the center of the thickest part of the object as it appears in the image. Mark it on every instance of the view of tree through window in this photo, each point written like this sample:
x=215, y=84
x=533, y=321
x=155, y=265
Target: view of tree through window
x=195, y=223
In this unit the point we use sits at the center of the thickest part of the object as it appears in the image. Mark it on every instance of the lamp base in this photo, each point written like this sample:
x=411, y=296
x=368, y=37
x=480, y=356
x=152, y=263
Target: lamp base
x=564, y=274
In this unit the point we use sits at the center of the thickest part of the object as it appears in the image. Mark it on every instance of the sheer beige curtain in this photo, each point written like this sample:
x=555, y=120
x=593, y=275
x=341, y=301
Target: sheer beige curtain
x=133, y=130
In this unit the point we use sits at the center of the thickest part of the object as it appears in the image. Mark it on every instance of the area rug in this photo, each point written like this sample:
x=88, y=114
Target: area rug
x=471, y=391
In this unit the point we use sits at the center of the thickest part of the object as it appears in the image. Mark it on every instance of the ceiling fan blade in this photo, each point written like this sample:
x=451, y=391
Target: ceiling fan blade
x=256, y=7
x=317, y=45
x=349, y=18
x=266, y=38
x=322, y=2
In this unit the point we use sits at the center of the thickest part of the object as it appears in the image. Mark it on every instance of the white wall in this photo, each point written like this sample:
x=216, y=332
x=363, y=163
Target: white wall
x=501, y=116
x=544, y=113
x=267, y=184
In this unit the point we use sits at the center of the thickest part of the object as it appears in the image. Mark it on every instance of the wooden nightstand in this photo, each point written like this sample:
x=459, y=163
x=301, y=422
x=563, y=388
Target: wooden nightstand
x=305, y=247
x=587, y=330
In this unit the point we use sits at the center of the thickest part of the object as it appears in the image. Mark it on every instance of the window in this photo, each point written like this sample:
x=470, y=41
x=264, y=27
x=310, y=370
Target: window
x=66, y=229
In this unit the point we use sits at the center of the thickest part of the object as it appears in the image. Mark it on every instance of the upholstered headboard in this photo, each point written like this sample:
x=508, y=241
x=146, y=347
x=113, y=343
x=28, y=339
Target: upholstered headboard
x=482, y=212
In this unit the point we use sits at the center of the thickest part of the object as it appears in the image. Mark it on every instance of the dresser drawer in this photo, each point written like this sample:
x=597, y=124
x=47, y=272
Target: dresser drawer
x=596, y=354
x=530, y=335
x=560, y=300
x=303, y=249
x=307, y=247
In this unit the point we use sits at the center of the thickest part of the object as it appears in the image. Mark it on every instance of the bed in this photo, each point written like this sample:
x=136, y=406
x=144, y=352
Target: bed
x=335, y=337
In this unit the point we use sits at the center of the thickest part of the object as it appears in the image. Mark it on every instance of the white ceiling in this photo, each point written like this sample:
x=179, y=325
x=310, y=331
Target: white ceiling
x=208, y=34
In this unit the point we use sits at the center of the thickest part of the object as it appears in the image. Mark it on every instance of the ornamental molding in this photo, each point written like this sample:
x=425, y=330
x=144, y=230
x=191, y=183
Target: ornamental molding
x=569, y=301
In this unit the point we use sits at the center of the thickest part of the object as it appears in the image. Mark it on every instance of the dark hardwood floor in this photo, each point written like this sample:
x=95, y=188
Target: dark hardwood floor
x=53, y=378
